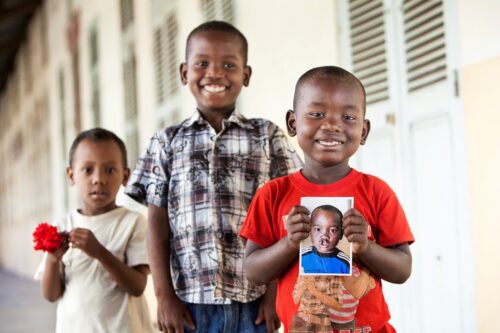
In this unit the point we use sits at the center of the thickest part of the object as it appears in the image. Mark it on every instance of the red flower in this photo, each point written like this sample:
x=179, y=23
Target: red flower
x=46, y=238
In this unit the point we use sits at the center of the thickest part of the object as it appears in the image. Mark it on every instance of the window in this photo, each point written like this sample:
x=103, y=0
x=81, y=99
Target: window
x=44, y=36
x=166, y=59
x=129, y=81
x=28, y=70
x=368, y=49
x=94, y=75
x=218, y=10
x=126, y=13
x=166, y=62
x=62, y=129
x=130, y=95
x=424, y=42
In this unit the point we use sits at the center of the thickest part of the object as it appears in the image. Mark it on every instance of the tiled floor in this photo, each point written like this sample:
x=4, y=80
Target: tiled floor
x=22, y=307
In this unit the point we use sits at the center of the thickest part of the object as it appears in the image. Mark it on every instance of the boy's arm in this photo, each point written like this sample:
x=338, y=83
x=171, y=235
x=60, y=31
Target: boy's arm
x=263, y=265
x=130, y=279
x=267, y=309
x=172, y=314
x=392, y=264
x=52, y=281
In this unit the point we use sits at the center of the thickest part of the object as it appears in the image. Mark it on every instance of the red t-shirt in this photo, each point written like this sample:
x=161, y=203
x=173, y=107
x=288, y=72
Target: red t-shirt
x=373, y=198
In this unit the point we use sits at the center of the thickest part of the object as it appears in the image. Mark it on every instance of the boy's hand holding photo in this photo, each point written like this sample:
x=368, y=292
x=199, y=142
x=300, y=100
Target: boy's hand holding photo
x=298, y=225
x=355, y=230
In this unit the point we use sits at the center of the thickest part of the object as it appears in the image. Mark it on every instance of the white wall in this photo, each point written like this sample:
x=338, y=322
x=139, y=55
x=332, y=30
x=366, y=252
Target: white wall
x=480, y=71
x=479, y=30
x=285, y=38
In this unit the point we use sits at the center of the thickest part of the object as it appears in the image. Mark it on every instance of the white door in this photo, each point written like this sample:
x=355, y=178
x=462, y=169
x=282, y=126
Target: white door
x=401, y=52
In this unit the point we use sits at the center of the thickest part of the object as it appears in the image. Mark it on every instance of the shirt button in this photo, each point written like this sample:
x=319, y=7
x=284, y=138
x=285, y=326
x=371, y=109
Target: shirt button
x=218, y=235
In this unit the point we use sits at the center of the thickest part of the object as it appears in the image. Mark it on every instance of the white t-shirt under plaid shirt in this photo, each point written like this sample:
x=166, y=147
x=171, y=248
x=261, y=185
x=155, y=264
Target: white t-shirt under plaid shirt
x=206, y=181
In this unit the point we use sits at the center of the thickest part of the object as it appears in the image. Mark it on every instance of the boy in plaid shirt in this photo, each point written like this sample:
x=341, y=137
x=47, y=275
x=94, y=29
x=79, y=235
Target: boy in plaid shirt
x=198, y=178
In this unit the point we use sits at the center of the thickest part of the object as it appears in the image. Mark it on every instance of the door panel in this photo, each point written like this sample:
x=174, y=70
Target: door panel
x=435, y=252
x=412, y=146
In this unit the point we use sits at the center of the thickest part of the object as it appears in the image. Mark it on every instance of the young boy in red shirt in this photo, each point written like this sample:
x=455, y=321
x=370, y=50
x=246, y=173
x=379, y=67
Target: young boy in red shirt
x=329, y=121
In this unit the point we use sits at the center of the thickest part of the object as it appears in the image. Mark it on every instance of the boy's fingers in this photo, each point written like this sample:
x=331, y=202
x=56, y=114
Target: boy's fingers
x=273, y=325
x=298, y=218
x=189, y=321
x=351, y=212
x=354, y=226
x=298, y=209
x=299, y=228
x=260, y=317
x=277, y=323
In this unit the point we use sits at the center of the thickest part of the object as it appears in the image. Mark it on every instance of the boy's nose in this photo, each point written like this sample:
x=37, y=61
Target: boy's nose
x=98, y=177
x=214, y=71
x=331, y=124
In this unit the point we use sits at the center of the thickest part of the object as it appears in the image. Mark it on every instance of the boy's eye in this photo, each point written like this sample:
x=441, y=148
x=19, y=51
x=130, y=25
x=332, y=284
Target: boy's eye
x=227, y=66
x=87, y=170
x=110, y=170
x=349, y=117
x=316, y=114
x=334, y=230
x=317, y=229
x=202, y=63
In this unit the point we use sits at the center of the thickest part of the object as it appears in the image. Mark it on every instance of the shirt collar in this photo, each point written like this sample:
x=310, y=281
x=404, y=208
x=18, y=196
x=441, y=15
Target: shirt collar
x=326, y=255
x=236, y=118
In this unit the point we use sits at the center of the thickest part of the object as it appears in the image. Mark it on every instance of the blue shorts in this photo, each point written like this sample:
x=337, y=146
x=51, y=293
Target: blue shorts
x=225, y=318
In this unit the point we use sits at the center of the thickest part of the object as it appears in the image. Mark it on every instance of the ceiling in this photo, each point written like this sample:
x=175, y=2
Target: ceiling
x=14, y=19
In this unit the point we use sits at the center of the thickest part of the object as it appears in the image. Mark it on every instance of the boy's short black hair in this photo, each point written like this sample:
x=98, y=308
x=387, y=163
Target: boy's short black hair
x=329, y=208
x=334, y=210
x=330, y=72
x=97, y=135
x=220, y=26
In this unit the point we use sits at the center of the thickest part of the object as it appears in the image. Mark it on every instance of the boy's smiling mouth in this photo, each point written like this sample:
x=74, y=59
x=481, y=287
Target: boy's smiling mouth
x=330, y=143
x=214, y=88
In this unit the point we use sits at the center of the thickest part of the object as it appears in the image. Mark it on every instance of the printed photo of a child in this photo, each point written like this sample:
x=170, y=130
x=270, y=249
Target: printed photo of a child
x=326, y=251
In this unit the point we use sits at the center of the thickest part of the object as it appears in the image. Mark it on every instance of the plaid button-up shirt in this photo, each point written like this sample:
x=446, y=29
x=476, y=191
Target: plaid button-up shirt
x=206, y=181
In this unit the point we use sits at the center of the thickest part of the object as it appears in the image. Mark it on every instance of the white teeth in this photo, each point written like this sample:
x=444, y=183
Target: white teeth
x=214, y=88
x=330, y=143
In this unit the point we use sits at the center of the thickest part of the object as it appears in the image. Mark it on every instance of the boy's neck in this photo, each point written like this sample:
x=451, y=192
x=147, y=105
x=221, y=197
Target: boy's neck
x=94, y=212
x=216, y=117
x=319, y=174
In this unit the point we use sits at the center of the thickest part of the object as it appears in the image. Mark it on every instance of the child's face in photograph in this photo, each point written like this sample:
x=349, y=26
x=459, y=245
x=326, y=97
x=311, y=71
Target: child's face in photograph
x=215, y=70
x=329, y=122
x=98, y=172
x=325, y=231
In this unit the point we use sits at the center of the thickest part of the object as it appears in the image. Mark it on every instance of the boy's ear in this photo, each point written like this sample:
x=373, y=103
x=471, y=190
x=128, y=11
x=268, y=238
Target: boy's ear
x=291, y=123
x=247, y=73
x=126, y=175
x=183, y=72
x=70, y=175
x=366, y=131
